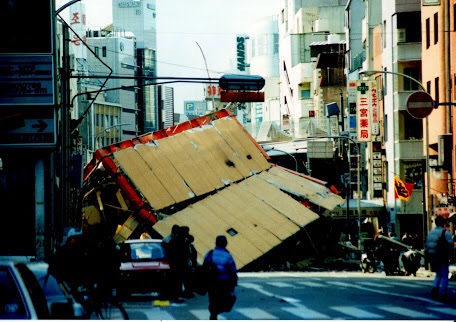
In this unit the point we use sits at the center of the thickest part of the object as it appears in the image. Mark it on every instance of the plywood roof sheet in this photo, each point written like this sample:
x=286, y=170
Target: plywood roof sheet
x=228, y=185
x=255, y=215
x=192, y=163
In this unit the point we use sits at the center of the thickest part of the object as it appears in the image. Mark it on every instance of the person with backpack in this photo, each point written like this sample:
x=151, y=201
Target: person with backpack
x=438, y=250
x=222, y=279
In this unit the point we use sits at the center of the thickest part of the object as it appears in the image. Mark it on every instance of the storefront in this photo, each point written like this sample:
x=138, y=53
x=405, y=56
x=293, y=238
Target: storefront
x=351, y=227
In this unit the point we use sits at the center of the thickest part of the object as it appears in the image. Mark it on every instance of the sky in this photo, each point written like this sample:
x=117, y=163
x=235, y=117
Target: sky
x=185, y=26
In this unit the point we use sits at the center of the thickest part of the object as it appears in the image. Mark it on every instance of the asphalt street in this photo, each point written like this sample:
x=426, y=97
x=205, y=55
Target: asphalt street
x=312, y=296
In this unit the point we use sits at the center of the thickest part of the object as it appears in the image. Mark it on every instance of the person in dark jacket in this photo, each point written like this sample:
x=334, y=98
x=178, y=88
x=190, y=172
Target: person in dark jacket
x=223, y=282
x=438, y=255
x=174, y=247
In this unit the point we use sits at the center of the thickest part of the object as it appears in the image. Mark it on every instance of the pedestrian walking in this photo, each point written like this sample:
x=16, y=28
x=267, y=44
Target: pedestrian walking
x=174, y=247
x=438, y=248
x=189, y=268
x=223, y=281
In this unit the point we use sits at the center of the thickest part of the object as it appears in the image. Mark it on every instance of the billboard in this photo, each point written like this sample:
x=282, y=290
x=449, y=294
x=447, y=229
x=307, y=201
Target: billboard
x=27, y=73
x=241, y=52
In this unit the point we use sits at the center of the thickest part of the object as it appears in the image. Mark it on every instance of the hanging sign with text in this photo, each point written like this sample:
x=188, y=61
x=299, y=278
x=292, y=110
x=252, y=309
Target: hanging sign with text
x=363, y=113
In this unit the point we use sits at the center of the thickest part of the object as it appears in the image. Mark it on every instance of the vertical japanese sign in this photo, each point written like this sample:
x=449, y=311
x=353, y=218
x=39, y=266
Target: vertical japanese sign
x=78, y=24
x=352, y=94
x=363, y=115
x=373, y=102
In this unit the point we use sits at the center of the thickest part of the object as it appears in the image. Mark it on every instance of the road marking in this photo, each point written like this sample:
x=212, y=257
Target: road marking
x=256, y=314
x=356, y=312
x=158, y=315
x=446, y=310
x=410, y=284
x=260, y=289
x=305, y=313
x=280, y=284
x=342, y=284
x=311, y=284
x=381, y=285
x=410, y=314
x=257, y=288
x=203, y=314
x=373, y=290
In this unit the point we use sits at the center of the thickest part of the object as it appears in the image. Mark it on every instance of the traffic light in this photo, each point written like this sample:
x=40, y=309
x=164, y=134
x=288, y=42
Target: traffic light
x=233, y=82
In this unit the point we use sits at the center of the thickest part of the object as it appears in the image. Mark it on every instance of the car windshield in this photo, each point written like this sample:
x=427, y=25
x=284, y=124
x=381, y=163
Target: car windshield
x=11, y=304
x=137, y=252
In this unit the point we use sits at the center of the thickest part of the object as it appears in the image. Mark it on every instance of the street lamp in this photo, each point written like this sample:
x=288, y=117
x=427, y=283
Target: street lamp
x=368, y=72
x=358, y=181
x=274, y=149
x=428, y=176
x=107, y=129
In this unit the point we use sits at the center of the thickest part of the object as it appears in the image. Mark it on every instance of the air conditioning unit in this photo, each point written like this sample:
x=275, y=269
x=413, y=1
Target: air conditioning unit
x=401, y=35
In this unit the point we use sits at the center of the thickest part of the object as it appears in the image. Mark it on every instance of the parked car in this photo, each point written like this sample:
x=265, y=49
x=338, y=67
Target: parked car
x=56, y=293
x=21, y=295
x=143, y=268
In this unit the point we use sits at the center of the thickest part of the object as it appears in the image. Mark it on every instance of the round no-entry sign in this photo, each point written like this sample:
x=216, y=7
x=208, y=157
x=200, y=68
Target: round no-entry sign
x=420, y=104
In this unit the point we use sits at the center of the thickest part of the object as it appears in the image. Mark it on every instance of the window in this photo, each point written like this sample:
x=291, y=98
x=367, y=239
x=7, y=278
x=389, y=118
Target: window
x=411, y=23
x=409, y=84
x=428, y=33
x=305, y=94
x=385, y=128
x=12, y=305
x=410, y=128
x=97, y=51
x=454, y=15
x=103, y=51
x=436, y=28
x=385, y=88
x=384, y=33
x=436, y=90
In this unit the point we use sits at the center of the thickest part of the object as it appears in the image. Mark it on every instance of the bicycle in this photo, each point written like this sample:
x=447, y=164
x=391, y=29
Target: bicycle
x=98, y=304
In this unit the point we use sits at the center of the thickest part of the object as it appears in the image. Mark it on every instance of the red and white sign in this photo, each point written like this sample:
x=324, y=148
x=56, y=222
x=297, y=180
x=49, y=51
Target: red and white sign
x=363, y=113
x=373, y=101
x=443, y=211
x=213, y=91
x=420, y=104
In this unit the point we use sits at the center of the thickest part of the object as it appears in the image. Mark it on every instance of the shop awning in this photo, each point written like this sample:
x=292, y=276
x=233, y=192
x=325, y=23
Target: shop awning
x=370, y=208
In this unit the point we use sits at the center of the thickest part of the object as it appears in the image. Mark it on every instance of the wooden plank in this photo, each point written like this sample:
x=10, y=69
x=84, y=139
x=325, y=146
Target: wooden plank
x=220, y=226
x=299, y=186
x=207, y=145
x=244, y=211
x=201, y=166
x=272, y=220
x=143, y=179
x=124, y=232
x=280, y=201
x=242, y=143
x=165, y=172
x=185, y=166
x=243, y=243
x=228, y=153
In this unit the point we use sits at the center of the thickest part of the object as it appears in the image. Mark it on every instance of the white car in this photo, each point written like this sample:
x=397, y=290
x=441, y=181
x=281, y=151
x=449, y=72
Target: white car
x=56, y=294
x=21, y=295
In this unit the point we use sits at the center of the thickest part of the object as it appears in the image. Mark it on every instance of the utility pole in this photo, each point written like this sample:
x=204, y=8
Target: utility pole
x=64, y=153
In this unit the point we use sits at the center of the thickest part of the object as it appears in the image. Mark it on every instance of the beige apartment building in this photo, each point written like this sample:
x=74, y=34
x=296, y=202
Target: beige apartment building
x=438, y=77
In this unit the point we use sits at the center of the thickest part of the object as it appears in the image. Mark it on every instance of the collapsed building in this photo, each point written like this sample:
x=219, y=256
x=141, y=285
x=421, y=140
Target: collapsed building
x=208, y=174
